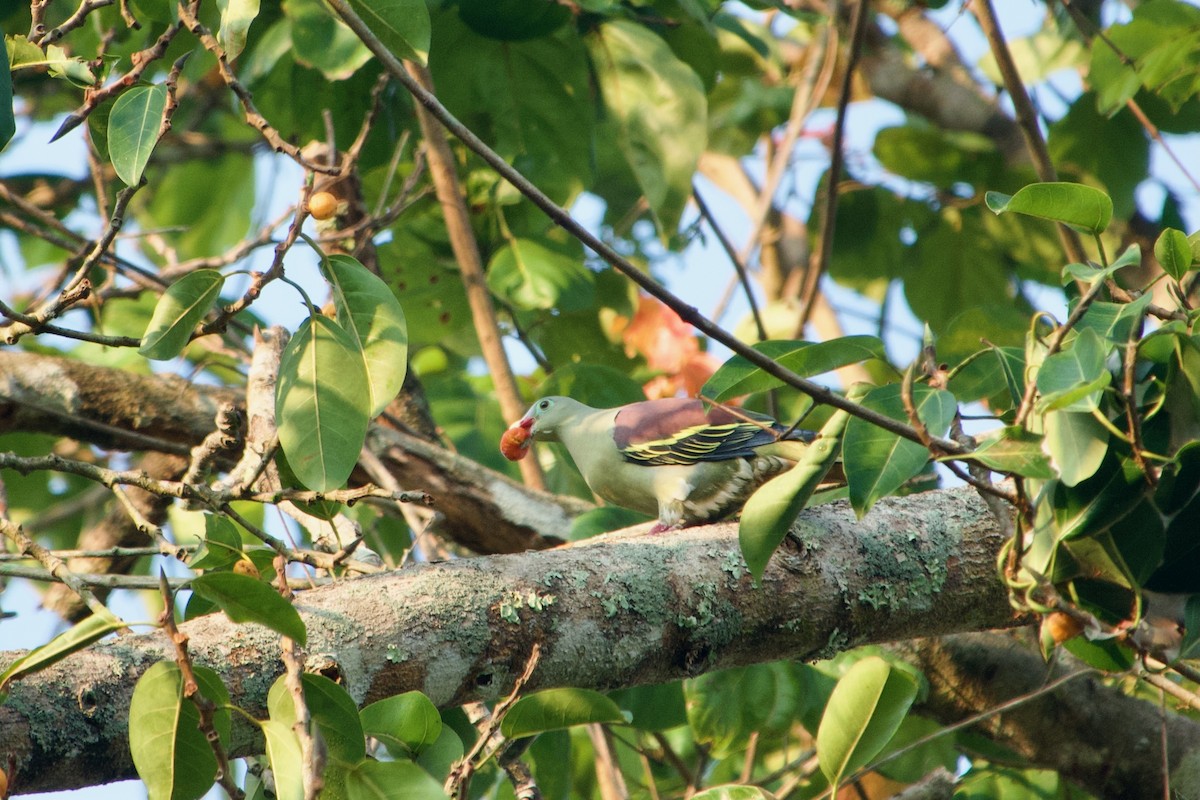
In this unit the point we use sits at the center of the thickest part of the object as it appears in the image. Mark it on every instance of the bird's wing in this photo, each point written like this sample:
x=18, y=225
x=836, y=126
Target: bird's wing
x=682, y=431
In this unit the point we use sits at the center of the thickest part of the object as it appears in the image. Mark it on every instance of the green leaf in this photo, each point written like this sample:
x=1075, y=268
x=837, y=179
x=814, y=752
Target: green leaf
x=332, y=708
x=236, y=17
x=402, y=25
x=62, y=65
x=213, y=689
x=133, y=130
x=659, y=107
x=877, y=462
x=936, y=286
x=8, y=120
x=1174, y=252
x=368, y=310
x=322, y=41
x=1114, y=150
x=222, y=544
x=438, y=757
x=392, y=780
x=179, y=310
x=79, y=636
x=322, y=403
x=864, y=712
x=737, y=376
x=244, y=599
x=602, y=520
x=1115, y=322
x=1189, y=648
x=1012, y=450
x=1091, y=274
x=594, y=384
x=725, y=707
x=938, y=750
x=197, y=224
x=653, y=708
x=322, y=509
x=553, y=709
x=532, y=277
x=531, y=100
x=1103, y=654
x=1073, y=204
x=405, y=723
x=944, y=158
x=287, y=760
x=171, y=755
x=1074, y=379
x=513, y=20
x=769, y=513
x=1095, y=505
x=1076, y=442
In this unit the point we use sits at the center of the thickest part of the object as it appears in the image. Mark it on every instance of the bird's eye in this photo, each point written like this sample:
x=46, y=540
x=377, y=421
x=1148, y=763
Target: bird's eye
x=544, y=405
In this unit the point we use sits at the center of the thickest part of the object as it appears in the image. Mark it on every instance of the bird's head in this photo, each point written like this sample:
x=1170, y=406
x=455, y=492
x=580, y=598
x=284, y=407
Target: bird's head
x=541, y=421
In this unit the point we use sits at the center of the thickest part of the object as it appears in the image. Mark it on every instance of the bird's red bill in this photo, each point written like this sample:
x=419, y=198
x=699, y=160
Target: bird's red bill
x=514, y=444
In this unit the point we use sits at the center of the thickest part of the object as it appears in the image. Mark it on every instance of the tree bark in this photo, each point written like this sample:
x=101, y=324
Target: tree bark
x=618, y=611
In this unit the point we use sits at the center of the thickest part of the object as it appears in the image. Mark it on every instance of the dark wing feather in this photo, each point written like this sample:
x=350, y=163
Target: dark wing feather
x=659, y=432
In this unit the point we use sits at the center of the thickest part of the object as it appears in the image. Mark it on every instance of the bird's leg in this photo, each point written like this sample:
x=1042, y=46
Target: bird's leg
x=670, y=515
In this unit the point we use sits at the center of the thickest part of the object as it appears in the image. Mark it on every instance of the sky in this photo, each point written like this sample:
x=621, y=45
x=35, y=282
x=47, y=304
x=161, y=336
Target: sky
x=33, y=627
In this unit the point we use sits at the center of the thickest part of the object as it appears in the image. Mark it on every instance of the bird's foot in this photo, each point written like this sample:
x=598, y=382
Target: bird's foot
x=662, y=527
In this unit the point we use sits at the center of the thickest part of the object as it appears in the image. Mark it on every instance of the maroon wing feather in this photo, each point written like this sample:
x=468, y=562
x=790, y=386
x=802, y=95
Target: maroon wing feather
x=685, y=431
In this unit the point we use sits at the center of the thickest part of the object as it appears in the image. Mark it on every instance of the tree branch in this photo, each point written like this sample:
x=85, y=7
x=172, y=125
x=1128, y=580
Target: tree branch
x=619, y=611
x=112, y=408
x=444, y=174
x=1093, y=734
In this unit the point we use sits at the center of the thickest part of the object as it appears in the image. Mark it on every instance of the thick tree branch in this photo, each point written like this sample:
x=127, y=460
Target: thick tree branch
x=111, y=408
x=1093, y=734
x=625, y=610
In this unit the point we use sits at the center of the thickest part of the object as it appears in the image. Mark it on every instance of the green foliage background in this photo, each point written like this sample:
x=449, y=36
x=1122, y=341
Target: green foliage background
x=628, y=108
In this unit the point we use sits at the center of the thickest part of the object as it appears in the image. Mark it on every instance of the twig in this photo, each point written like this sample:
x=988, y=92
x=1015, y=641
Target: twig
x=312, y=753
x=41, y=37
x=78, y=288
x=227, y=432
x=470, y=263
x=1129, y=400
x=1027, y=118
x=107, y=552
x=1056, y=340
x=103, y=580
x=459, y=780
x=355, y=148
x=95, y=96
x=55, y=568
x=734, y=258
x=609, y=779
x=563, y=218
x=191, y=690
x=818, y=267
x=187, y=14
x=811, y=88
x=113, y=479
x=312, y=558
